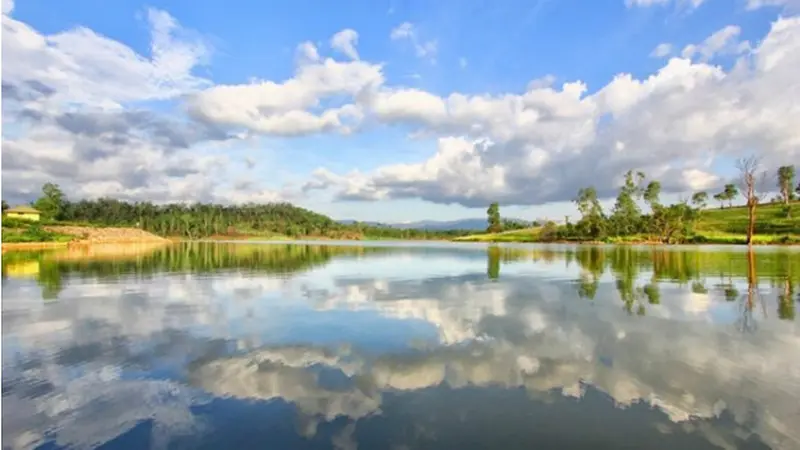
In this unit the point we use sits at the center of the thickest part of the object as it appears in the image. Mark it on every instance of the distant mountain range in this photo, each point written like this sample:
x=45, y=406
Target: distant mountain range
x=461, y=224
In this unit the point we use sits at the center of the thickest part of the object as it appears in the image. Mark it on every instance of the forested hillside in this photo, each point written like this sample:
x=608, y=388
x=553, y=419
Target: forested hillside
x=204, y=220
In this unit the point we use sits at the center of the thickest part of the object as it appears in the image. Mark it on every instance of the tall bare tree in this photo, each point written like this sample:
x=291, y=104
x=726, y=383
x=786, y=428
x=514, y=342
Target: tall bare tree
x=751, y=179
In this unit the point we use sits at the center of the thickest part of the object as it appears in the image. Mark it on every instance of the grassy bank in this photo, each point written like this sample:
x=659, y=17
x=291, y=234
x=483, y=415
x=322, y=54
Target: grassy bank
x=715, y=226
x=33, y=234
x=524, y=235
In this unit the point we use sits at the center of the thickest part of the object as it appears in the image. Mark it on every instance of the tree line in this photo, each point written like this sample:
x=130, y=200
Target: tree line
x=200, y=220
x=668, y=223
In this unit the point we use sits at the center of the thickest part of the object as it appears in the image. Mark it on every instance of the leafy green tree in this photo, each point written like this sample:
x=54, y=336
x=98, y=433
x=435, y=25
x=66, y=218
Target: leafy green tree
x=514, y=224
x=593, y=220
x=730, y=192
x=5, y=206
x=700, y=199
x=786, y=176
x=199, y=220
x=651, y=196
x=720, y=197
x=493, y=213
x=549, y=232
x=52, y=202
x=626, y=215
x=674, y=222
x=652, y=193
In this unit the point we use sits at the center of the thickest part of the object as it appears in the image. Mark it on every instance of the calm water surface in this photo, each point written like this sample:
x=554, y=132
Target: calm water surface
x=299, y=346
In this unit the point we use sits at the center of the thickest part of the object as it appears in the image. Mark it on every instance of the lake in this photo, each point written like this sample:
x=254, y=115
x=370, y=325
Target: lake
x=401, y=346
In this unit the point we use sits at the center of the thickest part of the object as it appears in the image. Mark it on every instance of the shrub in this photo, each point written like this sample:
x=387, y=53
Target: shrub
x=34, y=233
x=549, y=232
x=13, y=222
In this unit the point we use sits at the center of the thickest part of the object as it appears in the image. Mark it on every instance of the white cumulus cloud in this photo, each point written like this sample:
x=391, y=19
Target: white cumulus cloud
x=547, y=142
x=345, y=41
x=67, y=99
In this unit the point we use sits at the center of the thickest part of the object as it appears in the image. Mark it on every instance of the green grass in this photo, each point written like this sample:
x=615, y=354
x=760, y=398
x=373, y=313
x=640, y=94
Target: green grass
x=34, y=233
x=715, y=226
x=524, y=235
x=721, y=237
x=770, y=219
x=252, y=236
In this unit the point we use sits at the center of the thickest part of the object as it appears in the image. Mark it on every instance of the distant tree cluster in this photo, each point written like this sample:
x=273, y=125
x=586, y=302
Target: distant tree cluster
x=206, y=219
x=667, y=223
x=497, y=224
x=729, y=192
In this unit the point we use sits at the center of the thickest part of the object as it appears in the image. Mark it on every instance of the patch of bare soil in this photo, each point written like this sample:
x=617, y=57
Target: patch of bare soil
x=110, y=235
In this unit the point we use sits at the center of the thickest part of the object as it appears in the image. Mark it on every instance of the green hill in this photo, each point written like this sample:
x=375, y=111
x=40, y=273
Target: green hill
x=201, y=220
x=770, y=219
x=720, y=226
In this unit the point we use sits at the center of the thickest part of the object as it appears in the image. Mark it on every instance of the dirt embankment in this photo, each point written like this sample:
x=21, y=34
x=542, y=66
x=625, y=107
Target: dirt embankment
x=109, y=235
x=84, y=236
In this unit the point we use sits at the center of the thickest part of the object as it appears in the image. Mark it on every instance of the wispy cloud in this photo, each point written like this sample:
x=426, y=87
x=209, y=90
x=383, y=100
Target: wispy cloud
x=422, y=48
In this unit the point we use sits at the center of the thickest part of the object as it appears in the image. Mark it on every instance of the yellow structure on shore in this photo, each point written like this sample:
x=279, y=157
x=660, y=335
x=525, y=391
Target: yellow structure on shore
x=24, y=213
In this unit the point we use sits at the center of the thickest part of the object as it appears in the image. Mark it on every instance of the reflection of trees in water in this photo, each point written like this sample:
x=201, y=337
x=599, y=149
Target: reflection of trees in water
x=592, y=262
x=786, y=301
x=186, y=258
x=746, y=322
x=532, y=342
x=689, y=268
x=493, y=264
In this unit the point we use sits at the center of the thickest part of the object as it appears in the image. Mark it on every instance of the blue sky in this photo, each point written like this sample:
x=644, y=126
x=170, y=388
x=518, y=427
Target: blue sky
x=486, y=53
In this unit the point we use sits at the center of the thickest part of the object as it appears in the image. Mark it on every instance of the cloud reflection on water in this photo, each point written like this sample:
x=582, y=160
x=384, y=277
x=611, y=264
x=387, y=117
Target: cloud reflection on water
x=527, y=329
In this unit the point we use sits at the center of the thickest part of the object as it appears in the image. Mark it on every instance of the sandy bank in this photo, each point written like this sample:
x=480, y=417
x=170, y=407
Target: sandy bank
x=106, y=235
x=90, y=236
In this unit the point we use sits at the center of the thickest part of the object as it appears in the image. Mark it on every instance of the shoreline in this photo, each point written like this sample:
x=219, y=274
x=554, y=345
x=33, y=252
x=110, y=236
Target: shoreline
x=22, y=246
x=32, y=245
x=278, y=238
x=70, y=236
x=644, y=242
x=6, y=246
